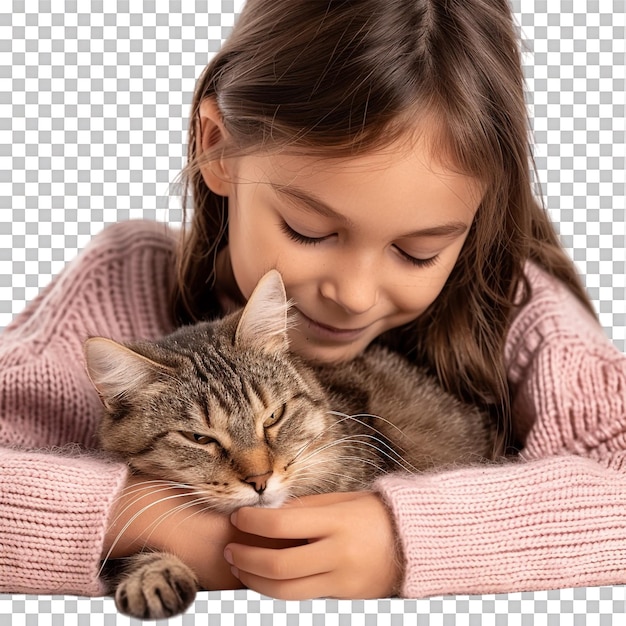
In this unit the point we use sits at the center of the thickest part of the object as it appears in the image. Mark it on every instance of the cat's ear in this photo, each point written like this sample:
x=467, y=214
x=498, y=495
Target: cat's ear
x=263, y=323
x=116, y=370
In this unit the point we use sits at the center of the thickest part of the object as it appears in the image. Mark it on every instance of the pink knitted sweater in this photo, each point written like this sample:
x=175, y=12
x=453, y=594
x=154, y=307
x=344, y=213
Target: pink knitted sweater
x=556, y=518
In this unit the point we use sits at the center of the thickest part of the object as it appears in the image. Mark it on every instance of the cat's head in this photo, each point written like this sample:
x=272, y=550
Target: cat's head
x=221, y=406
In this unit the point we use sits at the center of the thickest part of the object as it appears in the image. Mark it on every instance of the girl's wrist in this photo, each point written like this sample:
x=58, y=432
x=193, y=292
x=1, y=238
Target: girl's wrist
x=153, y=515
x=141, y=517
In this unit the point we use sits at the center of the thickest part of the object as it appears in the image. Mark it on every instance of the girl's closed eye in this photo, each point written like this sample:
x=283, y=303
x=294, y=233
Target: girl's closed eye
x=308, y=241
x=418, y=262
x=299, y=237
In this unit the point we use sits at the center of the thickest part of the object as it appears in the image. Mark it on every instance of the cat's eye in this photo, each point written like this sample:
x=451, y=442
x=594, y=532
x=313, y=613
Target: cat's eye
x=275, y=417
x=203, y=440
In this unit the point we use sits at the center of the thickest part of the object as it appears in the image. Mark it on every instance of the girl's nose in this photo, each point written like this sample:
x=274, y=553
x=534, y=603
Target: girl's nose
x=354, y=290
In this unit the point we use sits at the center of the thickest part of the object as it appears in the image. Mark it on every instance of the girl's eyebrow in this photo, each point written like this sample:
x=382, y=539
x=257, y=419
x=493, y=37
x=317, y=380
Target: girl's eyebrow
x=452, y=229
x=312, y=203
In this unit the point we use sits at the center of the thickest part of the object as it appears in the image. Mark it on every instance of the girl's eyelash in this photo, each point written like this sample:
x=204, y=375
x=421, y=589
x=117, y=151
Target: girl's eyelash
x=418, y=262
x=299, y=237
x=303, y=239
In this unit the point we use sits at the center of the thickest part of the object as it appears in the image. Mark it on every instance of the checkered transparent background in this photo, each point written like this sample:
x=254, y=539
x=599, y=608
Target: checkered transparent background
x=598, y=606
x=93, y=117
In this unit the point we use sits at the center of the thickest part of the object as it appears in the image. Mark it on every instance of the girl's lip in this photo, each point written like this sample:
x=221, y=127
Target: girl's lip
x=331, y=332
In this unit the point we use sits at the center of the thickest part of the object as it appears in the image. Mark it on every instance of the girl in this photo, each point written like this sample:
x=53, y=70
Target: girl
x=376, y=153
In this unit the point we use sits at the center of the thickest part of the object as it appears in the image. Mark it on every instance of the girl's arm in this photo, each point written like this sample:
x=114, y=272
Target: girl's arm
x=53, y=515
x=55, y=498
x=551, y=523
x=556, y=518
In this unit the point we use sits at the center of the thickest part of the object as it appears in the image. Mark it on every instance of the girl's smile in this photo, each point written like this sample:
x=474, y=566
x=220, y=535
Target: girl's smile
x=363, y=244
x=325, y=332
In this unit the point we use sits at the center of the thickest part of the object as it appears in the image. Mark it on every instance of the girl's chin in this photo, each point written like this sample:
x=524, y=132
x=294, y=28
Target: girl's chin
x=326, y=353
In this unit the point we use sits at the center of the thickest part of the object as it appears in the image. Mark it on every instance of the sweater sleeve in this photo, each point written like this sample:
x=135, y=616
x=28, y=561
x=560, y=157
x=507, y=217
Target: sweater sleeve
x=557, y=516
x=56, y=490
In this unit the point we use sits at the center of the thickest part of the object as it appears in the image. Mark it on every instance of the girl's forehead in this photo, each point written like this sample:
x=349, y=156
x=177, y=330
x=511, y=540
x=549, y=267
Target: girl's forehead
x=400, y=164
x=401, y=181
x=424, y=145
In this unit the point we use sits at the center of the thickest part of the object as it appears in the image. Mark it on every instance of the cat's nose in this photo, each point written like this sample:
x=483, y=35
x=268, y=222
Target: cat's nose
x=258, y=482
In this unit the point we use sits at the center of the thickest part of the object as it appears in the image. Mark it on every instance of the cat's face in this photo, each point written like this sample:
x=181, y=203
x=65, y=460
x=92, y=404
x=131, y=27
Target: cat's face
x=221, y=406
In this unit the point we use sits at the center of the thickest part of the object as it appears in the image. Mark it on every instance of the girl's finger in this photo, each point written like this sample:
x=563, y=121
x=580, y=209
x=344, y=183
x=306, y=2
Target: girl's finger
x=324, y=499
x=287, y=523
x=290, y=563
x=318, y=586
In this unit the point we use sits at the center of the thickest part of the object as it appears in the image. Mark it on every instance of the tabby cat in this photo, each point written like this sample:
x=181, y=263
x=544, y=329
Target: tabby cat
x=224, y=407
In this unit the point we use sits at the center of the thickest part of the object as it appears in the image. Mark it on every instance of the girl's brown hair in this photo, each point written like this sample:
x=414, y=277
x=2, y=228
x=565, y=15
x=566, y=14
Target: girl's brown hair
x=342, y=77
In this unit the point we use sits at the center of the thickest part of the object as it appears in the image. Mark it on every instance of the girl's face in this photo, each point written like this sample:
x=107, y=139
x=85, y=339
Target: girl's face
x=364, y=244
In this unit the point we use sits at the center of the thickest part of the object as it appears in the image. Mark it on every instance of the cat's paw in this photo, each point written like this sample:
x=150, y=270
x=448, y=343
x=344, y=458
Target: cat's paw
x=157, y=587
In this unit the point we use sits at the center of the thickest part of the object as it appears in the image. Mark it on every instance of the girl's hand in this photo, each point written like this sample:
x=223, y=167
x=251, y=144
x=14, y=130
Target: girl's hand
x=351, y=550
x=154, y=515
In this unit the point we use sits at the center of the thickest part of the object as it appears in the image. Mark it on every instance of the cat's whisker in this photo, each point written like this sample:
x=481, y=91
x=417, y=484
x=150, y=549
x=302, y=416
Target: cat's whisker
x=323, y=448
x=134, y=517
x=348, y=453
x=307, y=444
x=140, y=486
x=327, y=484
x=193, y=504
x=356, y=419
x=332, y=482
x=386, y=451
x=382, y=448
x=323, y=433
x=353, y=459
x=345, y=417
x=143, y=489
x=371, y=415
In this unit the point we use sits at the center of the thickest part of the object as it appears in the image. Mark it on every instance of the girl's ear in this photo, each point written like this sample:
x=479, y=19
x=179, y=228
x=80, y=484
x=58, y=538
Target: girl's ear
x=211, y=136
